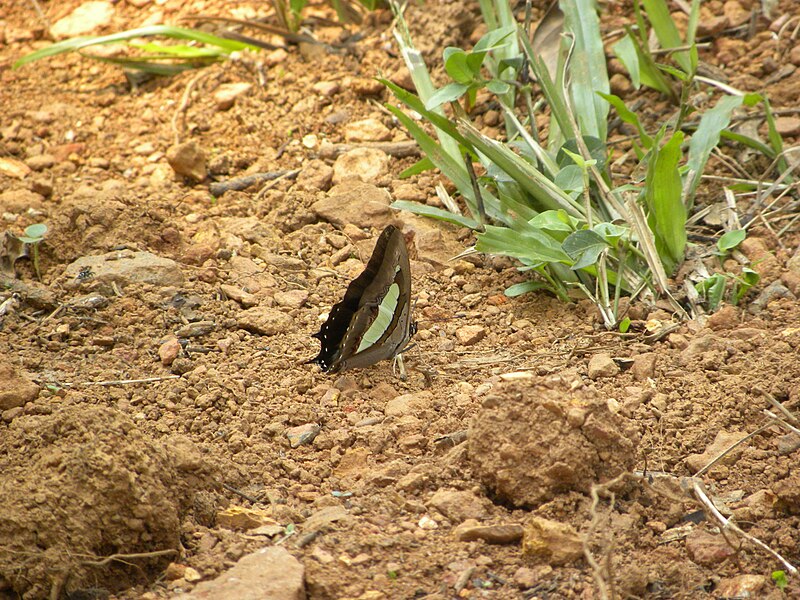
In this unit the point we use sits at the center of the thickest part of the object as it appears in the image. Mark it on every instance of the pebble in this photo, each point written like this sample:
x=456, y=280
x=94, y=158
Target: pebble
x=744, y=586
x=11, y=167
x=86, y=18
x=367, y=130
x=15, y=389
x=270, y=572
x=471, y=530
x=786, y=127
x=169, y=350
x=237, y=294
x=551, y=541
x=265, y=320
x=457, y=505
x=408, y=404
x=644, y=366
x=41, y=162
x=602, y=365
x=361, y=204
x=365, y=164
x=196, y=329
x=722, y=441
x=124, y=267
x=470, y=334
x=291, y=298
x=302, y=434
x=326, y=88
x=188, y=159
x=707, y=549
x=226, y=94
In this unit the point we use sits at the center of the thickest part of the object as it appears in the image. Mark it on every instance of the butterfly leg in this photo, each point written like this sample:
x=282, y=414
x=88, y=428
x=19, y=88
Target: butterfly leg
x=399, y=365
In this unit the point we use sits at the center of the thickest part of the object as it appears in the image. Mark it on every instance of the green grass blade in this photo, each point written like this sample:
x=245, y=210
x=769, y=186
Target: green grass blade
x=434, y=213
x=74, y=44
x=625, y=50
x=666, y=31
x=704, y=140
x=746, y=140
x=667, y=214
x=629, y=117
x=588, y=73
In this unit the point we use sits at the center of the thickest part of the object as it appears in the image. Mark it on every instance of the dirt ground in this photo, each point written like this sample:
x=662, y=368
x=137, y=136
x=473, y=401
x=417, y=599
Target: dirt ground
x=155, y=403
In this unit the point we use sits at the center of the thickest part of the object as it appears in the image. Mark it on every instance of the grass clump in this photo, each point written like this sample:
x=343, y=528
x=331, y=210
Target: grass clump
x=556, y=206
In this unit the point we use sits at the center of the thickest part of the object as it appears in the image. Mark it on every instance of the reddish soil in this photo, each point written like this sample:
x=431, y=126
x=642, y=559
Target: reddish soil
x=200, y=361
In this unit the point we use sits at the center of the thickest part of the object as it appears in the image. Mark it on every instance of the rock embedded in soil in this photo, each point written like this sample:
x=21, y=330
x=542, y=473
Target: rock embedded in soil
x=707, y=549
x=524, y=446
x=16, y=390
x=86, y=18
x=365, y=164
x=270, y=573
x=747, y=586
x=644, y=366
x=264, y=320
x=551, y=542
x=124, y=267
x=302, y=434
x=602, y=365
x=226, y=94
x=367, y=130
x=470, y=334
x=188, y=159
x=356, y=202
x=471, y=530
x=457, y=505
x=722, y=441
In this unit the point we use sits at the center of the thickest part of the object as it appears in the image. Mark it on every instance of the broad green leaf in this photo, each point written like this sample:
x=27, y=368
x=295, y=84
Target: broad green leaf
x=493, y=39
x=455, y=63
x=37, y=230
x=625, y=51
x=498, y=87
x=712, y=290
x=584, y=247
x=434, y=213
x=705, y=139
x=611, y=232
x=666, y=212
x=624, y=325
x=748, y=279
x=731, y=239
x=532, y=246
x=448, y=93
x=570, y=179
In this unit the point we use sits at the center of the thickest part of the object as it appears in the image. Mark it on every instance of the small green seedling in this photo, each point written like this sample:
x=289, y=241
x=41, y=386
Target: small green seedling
x=779, y=577
x=33, y=235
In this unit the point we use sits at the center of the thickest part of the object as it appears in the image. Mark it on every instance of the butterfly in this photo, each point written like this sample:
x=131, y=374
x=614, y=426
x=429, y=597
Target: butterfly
x=373, y=321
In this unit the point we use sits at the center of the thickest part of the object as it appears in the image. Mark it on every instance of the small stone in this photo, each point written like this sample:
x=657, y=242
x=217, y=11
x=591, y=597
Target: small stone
x=174, y=571
x=706, y=549
x=192, y=575
x=728, y=317
x=744, y=586
x=786, y=127
x=86, y=18
x=407, y=404
x=196, y=329
x=240, y=518
x=365, y=164
x=276, y=57
x=12, y=413
x=302, y=434
x=367, y=130
x=265, y=321
x=735, y=13
x=471, y=530
x=291, y=298
x=315, y=175
x=270, y=572
x=457, y=505
x=15, y=389
x=145, y=149
x=363, y=86
x=644, y=366
x=602, y=365
x=11, y=167
x=409, y=191
x=326, y=88
x=620, y=85
x=788, y=443
x=41, y=162
x=168, y=352
x=722, y=441
x=237, y=294
x=188, y=159
x=551, y=542
x=426, y=523
x=470, y=334
x=324, y=517
x=354, y=202
x=226, y=94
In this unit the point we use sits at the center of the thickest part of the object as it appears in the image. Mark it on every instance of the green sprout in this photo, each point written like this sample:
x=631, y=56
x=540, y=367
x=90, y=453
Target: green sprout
x=33, y=236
